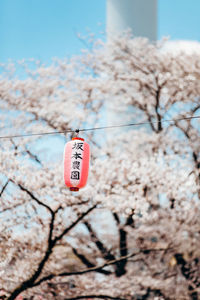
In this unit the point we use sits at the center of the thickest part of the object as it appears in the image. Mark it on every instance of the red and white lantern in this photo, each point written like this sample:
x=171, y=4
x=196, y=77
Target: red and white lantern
x=76, y=163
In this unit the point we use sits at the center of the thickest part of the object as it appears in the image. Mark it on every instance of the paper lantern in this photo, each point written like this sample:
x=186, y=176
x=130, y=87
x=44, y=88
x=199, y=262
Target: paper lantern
x=76, y=163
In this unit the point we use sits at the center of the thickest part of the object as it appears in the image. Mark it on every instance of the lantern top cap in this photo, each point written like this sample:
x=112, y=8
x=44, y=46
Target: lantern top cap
x=77, y=138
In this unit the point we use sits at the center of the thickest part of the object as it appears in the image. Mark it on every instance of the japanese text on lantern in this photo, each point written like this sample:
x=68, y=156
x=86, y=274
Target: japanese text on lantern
x=77, y=156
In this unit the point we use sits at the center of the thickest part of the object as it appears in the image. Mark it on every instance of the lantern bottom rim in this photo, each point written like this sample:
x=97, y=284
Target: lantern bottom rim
x=74, y=189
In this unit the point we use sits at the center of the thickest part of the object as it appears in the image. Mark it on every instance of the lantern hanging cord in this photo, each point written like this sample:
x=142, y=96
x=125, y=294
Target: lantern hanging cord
x=75, y=133
x=97, y=128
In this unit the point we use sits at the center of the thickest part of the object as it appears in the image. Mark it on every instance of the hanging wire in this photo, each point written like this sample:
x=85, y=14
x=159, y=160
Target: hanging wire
x=97, y=128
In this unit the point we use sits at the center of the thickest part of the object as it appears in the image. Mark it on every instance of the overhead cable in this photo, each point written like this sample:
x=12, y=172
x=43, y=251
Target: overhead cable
x=97, y=128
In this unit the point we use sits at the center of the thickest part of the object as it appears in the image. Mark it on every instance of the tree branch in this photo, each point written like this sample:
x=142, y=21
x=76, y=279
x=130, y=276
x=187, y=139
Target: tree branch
x=34, y=198
x=120, y=266
x=155, y=292
x=157, y=107
x=107, y=255
x=188, y=274
x=4, y=187
x=33, y=156
x=51, y=243
x=29, y=282
x=87, y=263
x=120, y=270
x=96, y=268
x=95, y=297
x=59, y=237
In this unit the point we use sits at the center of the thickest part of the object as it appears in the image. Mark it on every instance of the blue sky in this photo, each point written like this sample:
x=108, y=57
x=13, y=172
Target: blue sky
x=179, y=19
x=48, y=28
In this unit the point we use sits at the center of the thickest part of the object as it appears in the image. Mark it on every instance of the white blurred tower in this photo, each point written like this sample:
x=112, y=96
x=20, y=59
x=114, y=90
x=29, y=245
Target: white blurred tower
x=138, y=15
x=141, y=17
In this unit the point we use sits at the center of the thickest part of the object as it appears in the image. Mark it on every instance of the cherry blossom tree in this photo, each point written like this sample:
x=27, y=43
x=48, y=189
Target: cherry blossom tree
x=133, y=232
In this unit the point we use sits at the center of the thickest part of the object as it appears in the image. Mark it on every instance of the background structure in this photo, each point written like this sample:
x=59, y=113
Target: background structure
x=45, y=29
x=138, y=15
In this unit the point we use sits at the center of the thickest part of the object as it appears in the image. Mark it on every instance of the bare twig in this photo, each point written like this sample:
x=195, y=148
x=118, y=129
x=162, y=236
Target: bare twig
x=4, y=187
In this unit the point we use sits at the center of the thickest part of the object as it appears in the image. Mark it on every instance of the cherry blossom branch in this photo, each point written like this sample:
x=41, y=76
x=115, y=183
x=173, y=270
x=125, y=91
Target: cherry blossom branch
x=11, y=207
x=36, y=199
x=96, y=268
x=186, y=271
x=51, y=243
x=33, y=156
x=157, y=106
x=143, y=108
x=123, y=252
x=194, y=154
x=29, y=282
x=80, y=218
x=196, y=108
x=120, y=270
x=95, y=297
x=87, y=263
x=1, y=193
x=107, y=255
x=156, y=292
x=4, y=187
